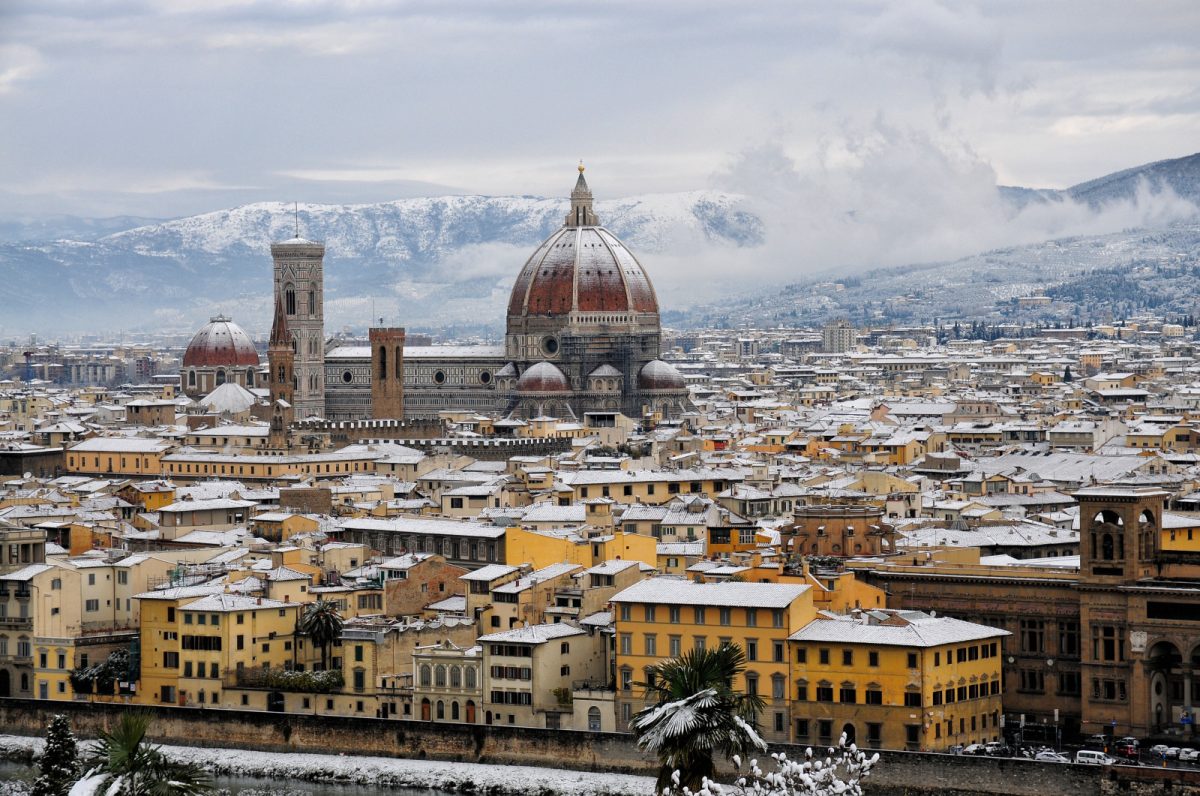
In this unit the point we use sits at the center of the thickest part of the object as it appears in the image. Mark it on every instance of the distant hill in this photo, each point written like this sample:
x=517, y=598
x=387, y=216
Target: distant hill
x=450, y=260
x=441, y=259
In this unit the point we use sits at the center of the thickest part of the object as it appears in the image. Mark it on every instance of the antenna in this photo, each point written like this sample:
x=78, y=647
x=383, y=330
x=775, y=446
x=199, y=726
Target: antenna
x=296, y=208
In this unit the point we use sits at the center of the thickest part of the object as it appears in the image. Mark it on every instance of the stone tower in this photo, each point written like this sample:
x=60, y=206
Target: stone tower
x=387, y=373
x=281, y=367
x=299, y=284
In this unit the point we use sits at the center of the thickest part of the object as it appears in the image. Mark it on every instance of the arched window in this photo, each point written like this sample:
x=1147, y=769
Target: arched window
x=1107, y=552
x=382, y=363
x=455, y=680
x=289, y=299
x=441, y=710
x=220, y=376
x=594, y=719
x=250, y=377
x=191, y=378
x=454, y=711
x=312, y=302
x=470, y=677
x=425, y=675
x=439, y=676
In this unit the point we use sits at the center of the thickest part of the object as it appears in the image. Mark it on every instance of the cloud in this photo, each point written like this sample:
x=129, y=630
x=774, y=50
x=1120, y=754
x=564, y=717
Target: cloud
x=18, y=63
x=885, y=196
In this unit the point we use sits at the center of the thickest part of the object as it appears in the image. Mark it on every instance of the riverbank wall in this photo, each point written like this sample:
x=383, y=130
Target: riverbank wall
x=908, y=773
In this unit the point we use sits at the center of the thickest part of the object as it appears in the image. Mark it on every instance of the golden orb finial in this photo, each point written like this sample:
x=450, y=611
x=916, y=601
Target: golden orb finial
x=581, y=165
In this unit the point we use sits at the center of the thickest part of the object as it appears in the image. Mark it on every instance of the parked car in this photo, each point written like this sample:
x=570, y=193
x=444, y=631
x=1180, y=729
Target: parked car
x=1097, y=742
x=1189, y=755
x=996, y=749
x=1159, y=750
x=1172, y=753
x=1127, y=748
x=975, y=749
x=957, y=749
x=1090, y=757
x=1051, y=757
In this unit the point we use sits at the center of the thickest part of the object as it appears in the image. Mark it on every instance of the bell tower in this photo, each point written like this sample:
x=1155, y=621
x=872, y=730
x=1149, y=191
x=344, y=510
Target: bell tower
x=1120, y=532
x=299, y=269
x=387, y=373
x=281, y=378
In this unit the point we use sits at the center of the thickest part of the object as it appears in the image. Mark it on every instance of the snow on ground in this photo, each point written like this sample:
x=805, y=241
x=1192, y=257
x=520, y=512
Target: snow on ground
x=389, y=771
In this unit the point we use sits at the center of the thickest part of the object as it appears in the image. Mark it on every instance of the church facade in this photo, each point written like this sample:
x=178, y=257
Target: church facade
x=582, y=335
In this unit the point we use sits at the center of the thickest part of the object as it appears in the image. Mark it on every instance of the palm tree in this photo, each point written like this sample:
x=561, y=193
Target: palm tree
x=696, y=712
x=123, y=763
x=323, y=624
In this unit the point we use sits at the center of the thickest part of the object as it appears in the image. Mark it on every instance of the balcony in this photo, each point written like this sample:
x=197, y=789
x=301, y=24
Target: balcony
x=16, y=622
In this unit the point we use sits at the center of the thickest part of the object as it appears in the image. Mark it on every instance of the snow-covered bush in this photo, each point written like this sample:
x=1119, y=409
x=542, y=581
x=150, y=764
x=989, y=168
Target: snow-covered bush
x=839, y=772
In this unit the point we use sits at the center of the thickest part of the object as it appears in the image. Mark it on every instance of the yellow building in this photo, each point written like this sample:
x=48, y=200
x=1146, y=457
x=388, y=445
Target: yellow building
x=659, y=618
x=1180, y=533
x=195, y=642
x=896, y=680
x=542, y=548
x=118, y=456
x=648, y=486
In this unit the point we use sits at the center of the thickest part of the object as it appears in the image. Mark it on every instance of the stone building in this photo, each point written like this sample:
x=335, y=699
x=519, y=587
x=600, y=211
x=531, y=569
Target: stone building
x=1112, y=647
x=582, y=335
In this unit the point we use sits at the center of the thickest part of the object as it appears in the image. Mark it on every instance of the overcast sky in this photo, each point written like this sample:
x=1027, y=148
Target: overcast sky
x=172, y=107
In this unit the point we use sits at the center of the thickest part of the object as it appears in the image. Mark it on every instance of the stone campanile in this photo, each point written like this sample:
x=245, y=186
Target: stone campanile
x=387, y=373
x=300, y=283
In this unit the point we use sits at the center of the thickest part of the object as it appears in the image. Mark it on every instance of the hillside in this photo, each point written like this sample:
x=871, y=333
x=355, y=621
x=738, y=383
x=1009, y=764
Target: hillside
x=444, y=259
x=449, y=261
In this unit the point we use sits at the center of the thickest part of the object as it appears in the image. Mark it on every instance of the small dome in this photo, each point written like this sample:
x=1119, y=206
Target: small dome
x=658, y=375
x=543, y=377
x=605, y=371
x=508, y=371
x=220, y=342
x=229, y=397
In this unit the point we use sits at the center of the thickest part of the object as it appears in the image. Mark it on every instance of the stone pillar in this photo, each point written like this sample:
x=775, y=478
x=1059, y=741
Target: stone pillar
x=1187, y=700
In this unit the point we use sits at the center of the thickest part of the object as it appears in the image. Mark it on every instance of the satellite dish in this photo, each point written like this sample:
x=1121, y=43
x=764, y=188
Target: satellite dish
x=28, y=476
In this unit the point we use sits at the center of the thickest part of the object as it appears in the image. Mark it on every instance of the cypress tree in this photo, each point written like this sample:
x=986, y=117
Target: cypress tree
x=58, y=766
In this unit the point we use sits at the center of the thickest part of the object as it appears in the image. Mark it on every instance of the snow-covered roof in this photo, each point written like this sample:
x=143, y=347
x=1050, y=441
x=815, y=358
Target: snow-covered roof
x=533, y=634
x=670, y=590
x=911, y=629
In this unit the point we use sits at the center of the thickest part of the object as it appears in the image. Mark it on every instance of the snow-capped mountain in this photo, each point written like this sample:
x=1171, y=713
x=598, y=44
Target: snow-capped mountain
x=451, y=260
x=416, y=261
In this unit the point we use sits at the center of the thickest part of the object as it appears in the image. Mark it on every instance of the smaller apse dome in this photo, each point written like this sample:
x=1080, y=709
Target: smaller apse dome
x=658, y=375
x=543, y=377
x=220, y=342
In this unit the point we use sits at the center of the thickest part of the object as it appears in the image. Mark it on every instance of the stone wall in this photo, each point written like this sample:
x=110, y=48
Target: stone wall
x=899, y=772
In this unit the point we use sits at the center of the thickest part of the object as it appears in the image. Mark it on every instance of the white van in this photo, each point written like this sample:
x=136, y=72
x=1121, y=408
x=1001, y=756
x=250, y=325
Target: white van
x=1090, y=757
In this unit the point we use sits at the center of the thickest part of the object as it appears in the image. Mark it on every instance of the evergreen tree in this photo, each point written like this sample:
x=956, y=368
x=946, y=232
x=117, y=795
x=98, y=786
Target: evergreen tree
x=58, y=766
x=1067, y=377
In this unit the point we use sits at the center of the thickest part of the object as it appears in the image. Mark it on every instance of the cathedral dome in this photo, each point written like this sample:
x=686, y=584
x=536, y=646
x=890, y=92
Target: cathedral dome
x=658, y=375
x=220, y=342
x=543, y=377
x=582, y=268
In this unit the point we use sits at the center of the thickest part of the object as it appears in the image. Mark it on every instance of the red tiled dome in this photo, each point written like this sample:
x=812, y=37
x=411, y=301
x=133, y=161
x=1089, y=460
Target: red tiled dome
x=658, y=375
x=582, y=267
x=543, y=377
x=220, y=342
